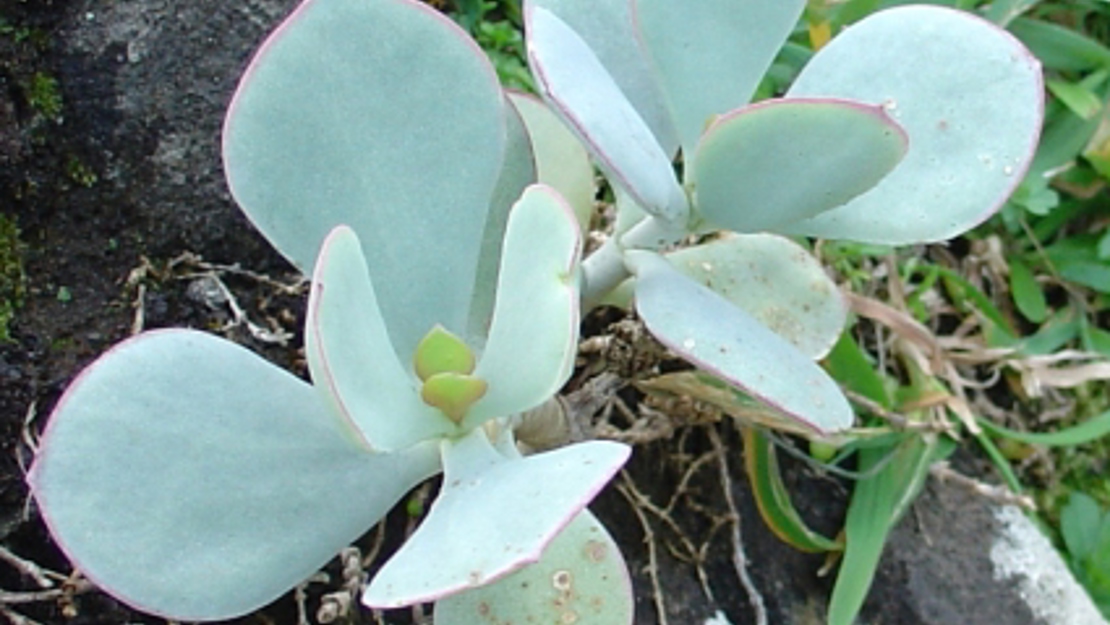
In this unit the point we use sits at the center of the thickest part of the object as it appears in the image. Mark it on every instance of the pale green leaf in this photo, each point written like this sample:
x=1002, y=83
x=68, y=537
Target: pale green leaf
x=715, y=335
x=1079, y=100
x=351, y=359
x=1085, y=432
x=561, y=160
x=779, y=161
x=972, y=131
x=518, y=170
x=773, y=499
x=711, y=54
x=190, y=478
x=877, y=504
x=340, y=119
x=607, y=28
x=493, y=516
x=1080, y=521
x=581, y=578
x=580, y=90
x=532, y=340
x=1028, y=295
x=774, y=280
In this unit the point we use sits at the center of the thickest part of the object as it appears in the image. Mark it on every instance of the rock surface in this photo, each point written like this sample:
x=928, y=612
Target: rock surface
x=954, y=558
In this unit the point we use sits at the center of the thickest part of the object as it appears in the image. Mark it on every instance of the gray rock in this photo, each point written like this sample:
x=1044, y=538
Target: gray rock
x=146, y=84
x=955, y=557
x=1021, y=552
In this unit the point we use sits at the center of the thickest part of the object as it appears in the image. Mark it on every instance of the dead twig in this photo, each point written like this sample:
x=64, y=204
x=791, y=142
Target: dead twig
x=650, y=426
x=649, y=540
x=15, y=618
x=896, y=420
x=209, y=288
x=998, y=494
x=337, y=605
x=300, y=596
x=26, y=567
x=739, y=556
x=9, y=597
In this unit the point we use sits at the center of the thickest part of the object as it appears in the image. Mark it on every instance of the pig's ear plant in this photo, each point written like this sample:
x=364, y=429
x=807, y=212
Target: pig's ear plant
x=913, y=125
x=370, y=142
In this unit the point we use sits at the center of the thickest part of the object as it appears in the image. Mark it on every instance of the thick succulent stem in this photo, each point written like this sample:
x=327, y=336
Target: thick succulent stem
x=605, y=268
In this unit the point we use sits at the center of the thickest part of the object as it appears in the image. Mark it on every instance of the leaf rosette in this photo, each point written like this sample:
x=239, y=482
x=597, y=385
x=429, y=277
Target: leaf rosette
x=913, y=125
x=192, y=479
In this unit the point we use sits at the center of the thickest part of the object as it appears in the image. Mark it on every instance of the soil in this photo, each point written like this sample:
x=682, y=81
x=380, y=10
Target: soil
x=119, y=201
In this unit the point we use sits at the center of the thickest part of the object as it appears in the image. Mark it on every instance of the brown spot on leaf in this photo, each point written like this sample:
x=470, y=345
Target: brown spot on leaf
x=596, y=551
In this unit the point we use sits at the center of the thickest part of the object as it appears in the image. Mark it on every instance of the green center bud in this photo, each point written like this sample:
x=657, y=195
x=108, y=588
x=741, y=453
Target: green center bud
x=444, y=363
x=441, y=352
x=453, y=393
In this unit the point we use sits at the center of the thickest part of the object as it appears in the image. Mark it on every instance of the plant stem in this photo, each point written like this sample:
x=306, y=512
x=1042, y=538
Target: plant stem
x=605, y=268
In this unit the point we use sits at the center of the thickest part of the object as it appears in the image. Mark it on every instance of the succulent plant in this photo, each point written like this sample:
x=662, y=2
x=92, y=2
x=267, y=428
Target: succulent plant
x=191, y=478
x=913, y=125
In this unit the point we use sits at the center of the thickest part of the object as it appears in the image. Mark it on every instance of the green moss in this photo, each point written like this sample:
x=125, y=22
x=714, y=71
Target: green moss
x=79, y=172
x=18, y=34
x=44, y=95
x=12, y=279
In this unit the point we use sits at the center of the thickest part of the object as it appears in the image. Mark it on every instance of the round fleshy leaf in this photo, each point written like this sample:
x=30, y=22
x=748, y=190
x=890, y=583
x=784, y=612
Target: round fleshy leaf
x=190, y=478
x=584, y=95
x=494, y=515
x=562, y=162
x=581, y=578
x=715, y=335
x=970, y=97
x=778, y=161
x=607, y=28
x=532, y=341
x=342, y=118
x=711, y=54
x=442, y=352
x=351, y=358
x=774, y=280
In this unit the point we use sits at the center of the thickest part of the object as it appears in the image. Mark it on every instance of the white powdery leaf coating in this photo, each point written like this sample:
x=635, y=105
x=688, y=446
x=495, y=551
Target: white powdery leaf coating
x=581, y=578
x=607, y=28
x=533, y=336
x=776, y=281
x=715, y=335
x=493, y=516
x=969, y=95
x=380, y=153
x=191, y=478
x=584, y=95
x=711, y=54
x=351, y=358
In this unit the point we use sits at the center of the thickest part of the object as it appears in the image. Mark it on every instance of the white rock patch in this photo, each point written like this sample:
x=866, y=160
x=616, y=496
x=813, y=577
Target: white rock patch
x=1044, y=582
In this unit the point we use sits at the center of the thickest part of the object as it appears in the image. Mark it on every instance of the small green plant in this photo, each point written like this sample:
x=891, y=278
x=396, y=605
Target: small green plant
x=44, y=95
x=79, y=172
x=496, y=28
x=12, y=278
x=1085, y=528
